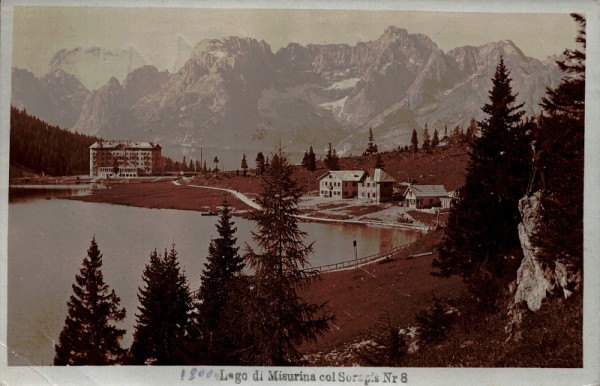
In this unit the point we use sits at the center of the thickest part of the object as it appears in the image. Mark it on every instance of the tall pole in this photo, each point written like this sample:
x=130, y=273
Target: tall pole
x=355, y=254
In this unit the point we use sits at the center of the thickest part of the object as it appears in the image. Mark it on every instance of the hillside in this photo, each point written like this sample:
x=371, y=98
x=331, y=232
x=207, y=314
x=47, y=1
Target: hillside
x=44, y=149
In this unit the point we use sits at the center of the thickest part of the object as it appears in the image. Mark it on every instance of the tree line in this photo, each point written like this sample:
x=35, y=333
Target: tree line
x=37, y=146
x=234, y=318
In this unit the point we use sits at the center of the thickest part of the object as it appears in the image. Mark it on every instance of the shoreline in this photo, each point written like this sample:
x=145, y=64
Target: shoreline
x=169, y=193
x=209, y=203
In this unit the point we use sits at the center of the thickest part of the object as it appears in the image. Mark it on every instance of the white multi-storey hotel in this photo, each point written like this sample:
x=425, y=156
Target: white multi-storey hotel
x=126, y=158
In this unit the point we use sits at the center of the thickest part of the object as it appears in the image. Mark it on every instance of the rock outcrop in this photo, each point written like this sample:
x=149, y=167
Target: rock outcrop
x=536, y=280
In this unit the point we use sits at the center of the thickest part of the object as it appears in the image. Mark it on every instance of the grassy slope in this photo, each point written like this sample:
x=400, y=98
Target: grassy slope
x=358, y=297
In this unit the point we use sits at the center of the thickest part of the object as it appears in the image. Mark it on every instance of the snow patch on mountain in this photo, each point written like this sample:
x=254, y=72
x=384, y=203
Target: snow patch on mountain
x=337, y=107
x=344, y=84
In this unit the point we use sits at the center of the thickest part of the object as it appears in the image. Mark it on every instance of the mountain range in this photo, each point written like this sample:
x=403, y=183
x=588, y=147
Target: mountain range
x=237, y=94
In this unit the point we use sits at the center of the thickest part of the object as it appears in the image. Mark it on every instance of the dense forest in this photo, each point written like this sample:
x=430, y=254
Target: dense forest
x=42, y=148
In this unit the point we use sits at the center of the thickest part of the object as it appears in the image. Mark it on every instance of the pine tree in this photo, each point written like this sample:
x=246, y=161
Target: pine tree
x=260, y=163
x=191, y=166
x=471, y=131
x=184, y=165
x=414, y=142
x=371, y=147
x=426, y=140
x=163, y=323
x=561, y=139
x=204, y=167
x=305, y=159
x=435, y=141
x=244, y=165
x=457, y=135
x=312, y=160
x=89, y=337
x=280, y=320
x=198, y=166
x=481, y=235
x=331, y=159
x=221, y=305
x=216, y=162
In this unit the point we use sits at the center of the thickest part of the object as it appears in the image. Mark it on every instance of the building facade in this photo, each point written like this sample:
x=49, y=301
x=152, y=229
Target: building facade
x=425, y=196
x=340, y=183
x=377, y=187
x=110, y=159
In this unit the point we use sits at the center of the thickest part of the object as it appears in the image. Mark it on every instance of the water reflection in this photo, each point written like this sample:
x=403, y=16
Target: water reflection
x=24, y=193
x=48, y=239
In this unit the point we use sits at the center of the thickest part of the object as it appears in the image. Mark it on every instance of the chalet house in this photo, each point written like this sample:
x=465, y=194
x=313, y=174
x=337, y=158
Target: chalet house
x=130, y=157
x=425, y=196
x=377, y=187
x=340, y=183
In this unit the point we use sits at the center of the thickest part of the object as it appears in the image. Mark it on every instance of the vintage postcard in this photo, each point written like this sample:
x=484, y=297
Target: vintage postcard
x=276, y=193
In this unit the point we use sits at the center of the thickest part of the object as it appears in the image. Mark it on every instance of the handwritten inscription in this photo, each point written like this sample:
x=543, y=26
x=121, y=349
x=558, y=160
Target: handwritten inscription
x=342, y=377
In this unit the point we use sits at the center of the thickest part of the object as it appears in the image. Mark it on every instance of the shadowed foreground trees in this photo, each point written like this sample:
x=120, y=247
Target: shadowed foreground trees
x=89, y=337
x=162, y=332
x=561, y=135
x=279, y=319
x=481, y=239
x=221, y=308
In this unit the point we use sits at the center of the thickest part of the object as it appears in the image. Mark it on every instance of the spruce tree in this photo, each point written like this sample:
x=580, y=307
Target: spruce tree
x=244, y=165
x=184, y=165
x=312, y=160
x=280, y=320
x=371, y=147
x=89, y=337
x=481, y=237
x=561, y=139
x=435, y=140
x=331, y=159
x=260, y=163
x=163, y=326
x=221, y=307
x=414, y=142
x=426, y=140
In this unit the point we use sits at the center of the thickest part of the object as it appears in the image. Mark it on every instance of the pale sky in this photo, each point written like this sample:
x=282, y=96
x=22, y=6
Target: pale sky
x=40, y=31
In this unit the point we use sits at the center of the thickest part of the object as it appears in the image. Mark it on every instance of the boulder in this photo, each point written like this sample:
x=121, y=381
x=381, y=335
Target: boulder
x=533, y=280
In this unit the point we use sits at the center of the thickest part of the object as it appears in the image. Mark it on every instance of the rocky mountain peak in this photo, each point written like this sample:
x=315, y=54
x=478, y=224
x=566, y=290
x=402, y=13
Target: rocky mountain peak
x=230, y=88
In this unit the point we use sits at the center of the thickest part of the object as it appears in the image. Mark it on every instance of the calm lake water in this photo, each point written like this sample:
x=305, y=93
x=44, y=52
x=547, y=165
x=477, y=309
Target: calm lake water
x=48, y=239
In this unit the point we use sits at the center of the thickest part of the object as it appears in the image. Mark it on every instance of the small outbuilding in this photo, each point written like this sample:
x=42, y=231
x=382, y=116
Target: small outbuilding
x=425, y=196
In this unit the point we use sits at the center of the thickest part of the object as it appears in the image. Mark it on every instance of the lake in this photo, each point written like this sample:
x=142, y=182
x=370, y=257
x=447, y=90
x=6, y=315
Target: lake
x=48, y=239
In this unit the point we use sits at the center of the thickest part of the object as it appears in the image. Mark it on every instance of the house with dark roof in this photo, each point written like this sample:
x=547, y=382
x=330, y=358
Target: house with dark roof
x=378, y=186
x=340, y=183
x=425, y=196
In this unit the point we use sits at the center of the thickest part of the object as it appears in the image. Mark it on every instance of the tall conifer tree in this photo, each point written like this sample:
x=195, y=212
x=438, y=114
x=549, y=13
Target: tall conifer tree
x=561, y=135
x=371, y=147
x=426, y=140
x=280, y=320
x=481, y=237
x=162, y=331
x=221, y=308
x=331, y=158
x=414, y=141
x=89, y=337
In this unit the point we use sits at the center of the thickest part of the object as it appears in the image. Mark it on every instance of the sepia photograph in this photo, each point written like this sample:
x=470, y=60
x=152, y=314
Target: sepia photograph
x=274, y=193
